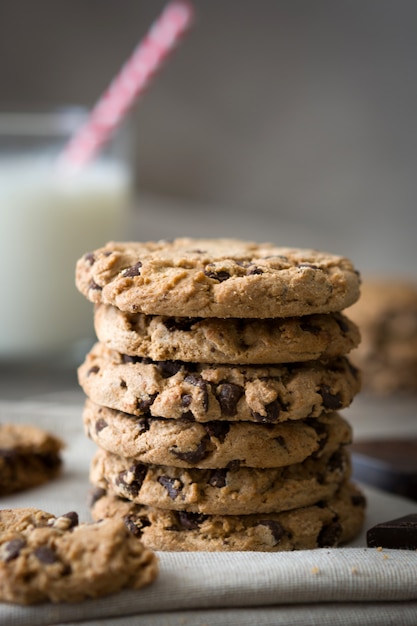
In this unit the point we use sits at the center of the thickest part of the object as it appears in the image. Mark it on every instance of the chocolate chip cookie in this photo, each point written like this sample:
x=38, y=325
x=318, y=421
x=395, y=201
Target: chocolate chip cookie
x=326, y=524
x=29, y=456
x=228, y=491
x=173, y=389
x=187, y=443
x=217, y=278
x=230, y=341
x=387, y=315
x=48, y=558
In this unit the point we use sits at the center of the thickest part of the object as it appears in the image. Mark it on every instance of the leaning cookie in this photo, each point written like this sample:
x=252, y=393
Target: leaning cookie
x=226, y=491
x=48, y=558
x=205, y=392
x=187, y=443
x=215, y=340
x=217, y=278
x=29, y=456
x=326, y=524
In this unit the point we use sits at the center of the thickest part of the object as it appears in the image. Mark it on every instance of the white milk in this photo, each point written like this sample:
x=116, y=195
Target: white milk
x=47, y=221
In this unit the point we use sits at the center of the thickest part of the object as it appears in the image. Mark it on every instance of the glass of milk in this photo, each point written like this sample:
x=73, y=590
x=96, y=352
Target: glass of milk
x=48, y=219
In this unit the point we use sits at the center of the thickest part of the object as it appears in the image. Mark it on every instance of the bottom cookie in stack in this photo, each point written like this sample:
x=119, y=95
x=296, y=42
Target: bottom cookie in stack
x=328, y=523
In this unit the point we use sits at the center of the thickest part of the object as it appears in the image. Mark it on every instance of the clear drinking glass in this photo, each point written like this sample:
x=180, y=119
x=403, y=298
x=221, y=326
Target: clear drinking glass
x=47, y=221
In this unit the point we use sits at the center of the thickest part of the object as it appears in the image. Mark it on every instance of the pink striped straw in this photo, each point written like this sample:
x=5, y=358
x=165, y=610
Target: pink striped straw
x=129, y=84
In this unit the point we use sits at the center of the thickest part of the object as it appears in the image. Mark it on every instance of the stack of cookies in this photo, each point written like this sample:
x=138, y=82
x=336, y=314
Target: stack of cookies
x=213, y=391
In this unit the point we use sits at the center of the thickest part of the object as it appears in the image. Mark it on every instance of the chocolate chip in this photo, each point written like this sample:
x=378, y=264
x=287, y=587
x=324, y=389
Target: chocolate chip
x=169, y=368
x=143, y=404
x=254, y=270
x=218, y=478
x=272, y=410
x=127, y=358
x=341, y=323
x=331, y=401
x=217, y=430
x=100, y=424
x=45, y=555
x=197, y=381
x=131, y=480
x=93, y=285
x=186, y=399
x=90, y=258
x=132, y=271
x=93, y=370
x=172, y=485
x=142, y=424
x=308, y=327
x=220, y=275
x=183, y=324
x=281, y=441
x=11, y=549
x=136, y=523
x=329, y=535
x=228, y=395
x=73, y=518
x=277, y=530
x=192, y=456
x=190, y=521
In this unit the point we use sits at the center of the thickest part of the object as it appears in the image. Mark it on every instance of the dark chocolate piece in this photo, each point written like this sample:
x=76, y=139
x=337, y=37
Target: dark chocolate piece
x=400, y=533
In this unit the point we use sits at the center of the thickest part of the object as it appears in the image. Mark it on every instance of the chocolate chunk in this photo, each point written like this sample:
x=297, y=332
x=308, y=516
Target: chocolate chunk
x=329, y=535
x=358, y=500
x=172, y=485
x=132, y=271
x=218, y=478
x=192, y=456
x=131, y=480
x=93, y=285
x=45, y=555
x=277, y=530
x=136, y=523
x=72, y=516
x=100, y=424
x=400, y=533
x=272, y=413
x=341, y=323
x=127, y=358
x=331, y=401
x=190, y=521
x=218, y=430
x=220, y=275
x=143, y=404
x=197, y=381
x=93, y=370
x=308, y=327
x=183, y=324
x=336, y=462
x=228, y=395
x=254, y=270
x=90, y=258
x=169, y=368
x=11, y=549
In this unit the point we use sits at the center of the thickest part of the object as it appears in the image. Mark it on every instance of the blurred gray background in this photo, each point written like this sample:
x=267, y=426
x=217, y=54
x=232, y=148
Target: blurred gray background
x=292, y=121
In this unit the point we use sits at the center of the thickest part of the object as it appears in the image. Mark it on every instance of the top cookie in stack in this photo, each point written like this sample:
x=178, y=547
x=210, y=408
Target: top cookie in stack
x=210, y=352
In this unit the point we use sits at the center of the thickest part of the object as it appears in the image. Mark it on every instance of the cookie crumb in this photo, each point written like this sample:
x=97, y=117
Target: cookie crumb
x=354, y=570
x=315, y=570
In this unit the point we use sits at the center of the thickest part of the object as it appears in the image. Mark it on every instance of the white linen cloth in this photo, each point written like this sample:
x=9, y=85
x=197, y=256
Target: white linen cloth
x=354, y=585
